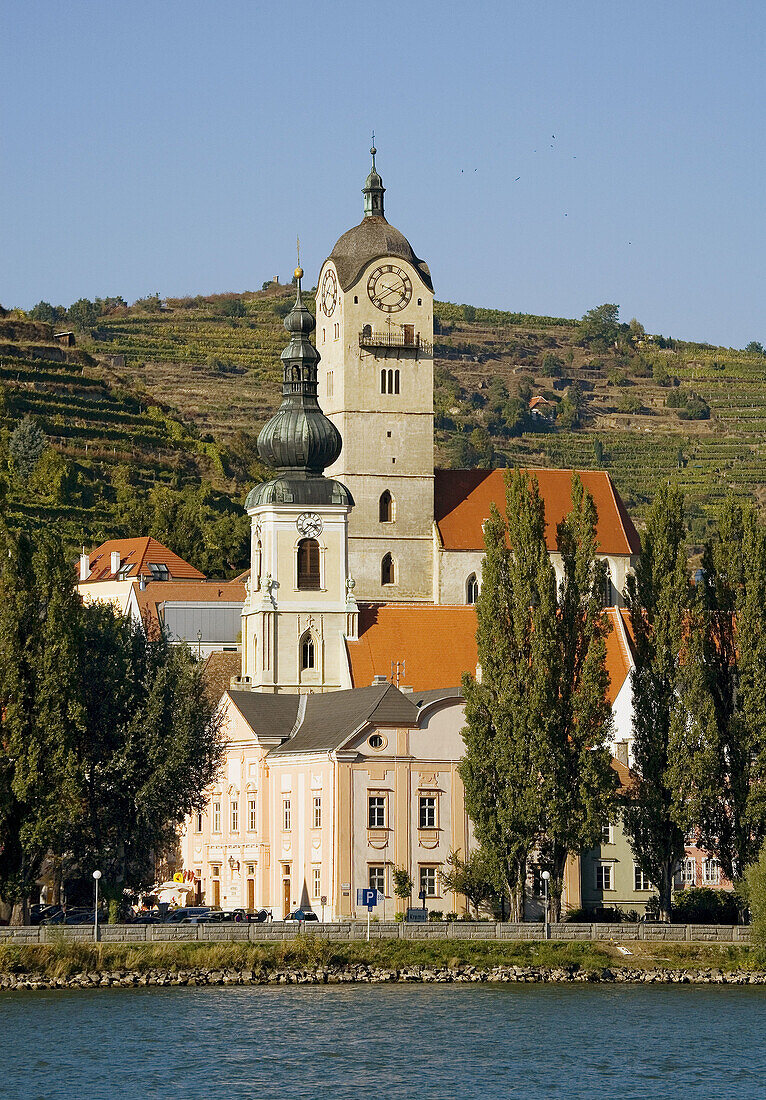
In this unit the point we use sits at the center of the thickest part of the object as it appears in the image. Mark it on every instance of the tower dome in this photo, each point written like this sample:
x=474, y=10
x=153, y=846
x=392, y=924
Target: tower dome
x=373, y=237
x=299, y=441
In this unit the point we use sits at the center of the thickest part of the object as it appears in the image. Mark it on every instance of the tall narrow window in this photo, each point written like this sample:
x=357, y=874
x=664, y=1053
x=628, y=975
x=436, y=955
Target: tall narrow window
x=316, y=882
x=386, y=507
x=316, y=822
x=427, y=811
x=234, y=816
x=387, y=570
x=471, y=589
x=252, y=820
x=308, y=655
x=606, y=592
x=198, y=822
x=216, y=817
x=396, y=381
x=308, y=563
x=286, y=815
x=383, y=381
x=376, y=811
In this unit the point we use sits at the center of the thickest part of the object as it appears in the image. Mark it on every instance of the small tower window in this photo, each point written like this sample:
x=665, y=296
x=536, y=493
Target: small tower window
x=308, y=564
x=386, y=507
x=356, y=300
x=387, y=570
x=396, y=381
x=308, y=656
x=471, y=589
x=329, y=383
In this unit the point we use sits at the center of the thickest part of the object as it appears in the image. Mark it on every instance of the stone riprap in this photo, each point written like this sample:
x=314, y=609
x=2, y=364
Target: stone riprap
x=350, y=931
x=336, y=975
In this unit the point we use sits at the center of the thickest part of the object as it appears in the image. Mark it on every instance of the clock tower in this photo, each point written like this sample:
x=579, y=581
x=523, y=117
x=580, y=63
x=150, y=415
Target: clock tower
x=300, y=602
x=375, y=336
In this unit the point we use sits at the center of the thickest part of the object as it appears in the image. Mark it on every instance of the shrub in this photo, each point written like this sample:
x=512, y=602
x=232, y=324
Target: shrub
x=755, y=881
x=435, y=915
x=702, y=905
x=629, y=403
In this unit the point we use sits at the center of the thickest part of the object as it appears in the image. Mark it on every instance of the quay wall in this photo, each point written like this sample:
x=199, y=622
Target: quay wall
x=350, y=931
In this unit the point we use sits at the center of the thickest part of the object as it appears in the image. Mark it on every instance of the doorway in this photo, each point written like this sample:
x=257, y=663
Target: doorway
x=251, y=893
x=285, y=897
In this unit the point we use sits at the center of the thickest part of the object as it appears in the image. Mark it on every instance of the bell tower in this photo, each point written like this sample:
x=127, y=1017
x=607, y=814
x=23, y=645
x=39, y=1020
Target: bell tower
x=300, y=602
x=375, y=335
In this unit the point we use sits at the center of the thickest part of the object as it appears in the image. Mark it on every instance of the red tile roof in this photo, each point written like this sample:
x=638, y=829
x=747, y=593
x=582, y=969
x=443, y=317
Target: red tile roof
x=462, y=500
x=159, y=592
x=437, y=645
x=139, y=554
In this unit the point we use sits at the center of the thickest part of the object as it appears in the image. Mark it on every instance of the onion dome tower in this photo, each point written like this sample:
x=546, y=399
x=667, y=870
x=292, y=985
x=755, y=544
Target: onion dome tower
x=299, y=441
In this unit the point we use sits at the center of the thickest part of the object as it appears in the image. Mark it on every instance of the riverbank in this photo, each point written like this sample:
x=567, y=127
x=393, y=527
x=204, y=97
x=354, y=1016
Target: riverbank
x=314, y=961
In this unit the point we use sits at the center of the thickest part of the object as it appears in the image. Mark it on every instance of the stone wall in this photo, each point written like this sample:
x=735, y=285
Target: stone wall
x=345, y=931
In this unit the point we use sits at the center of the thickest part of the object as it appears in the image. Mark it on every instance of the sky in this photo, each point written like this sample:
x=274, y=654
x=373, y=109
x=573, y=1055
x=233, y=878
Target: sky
x=543, y=156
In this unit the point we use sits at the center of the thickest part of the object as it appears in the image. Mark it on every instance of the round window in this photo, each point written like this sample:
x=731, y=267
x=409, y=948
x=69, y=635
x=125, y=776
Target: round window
x=377, y=741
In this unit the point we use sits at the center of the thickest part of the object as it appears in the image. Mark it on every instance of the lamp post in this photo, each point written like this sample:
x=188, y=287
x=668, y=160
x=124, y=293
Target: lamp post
x=545, y=877
x=199, y=645
x=96, y=876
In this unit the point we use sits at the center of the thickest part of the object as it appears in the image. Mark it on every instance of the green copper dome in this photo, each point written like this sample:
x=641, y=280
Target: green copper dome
x=299, y=441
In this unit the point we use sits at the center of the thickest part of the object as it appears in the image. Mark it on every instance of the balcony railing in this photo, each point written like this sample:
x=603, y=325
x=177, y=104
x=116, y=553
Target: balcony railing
x=412, y=342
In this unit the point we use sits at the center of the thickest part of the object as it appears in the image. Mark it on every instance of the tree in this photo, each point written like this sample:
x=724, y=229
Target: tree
x=26, y=446
x=658, y=596
x=473, y=877
x=107, y=738
x=579, y=783
x=509, y=706
x=725, y=786
x=600, y=327
x=755, y=877
x=755, y=348
x=403, y=884
x=82, y=313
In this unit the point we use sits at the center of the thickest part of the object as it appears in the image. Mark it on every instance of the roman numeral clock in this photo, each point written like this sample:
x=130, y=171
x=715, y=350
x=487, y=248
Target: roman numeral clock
x=389, y=288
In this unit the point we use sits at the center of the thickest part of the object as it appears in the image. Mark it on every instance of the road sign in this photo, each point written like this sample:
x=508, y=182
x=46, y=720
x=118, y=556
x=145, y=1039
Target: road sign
x=367, y=897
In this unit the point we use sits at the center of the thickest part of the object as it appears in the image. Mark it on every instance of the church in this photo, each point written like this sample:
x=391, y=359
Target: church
x=343, y=727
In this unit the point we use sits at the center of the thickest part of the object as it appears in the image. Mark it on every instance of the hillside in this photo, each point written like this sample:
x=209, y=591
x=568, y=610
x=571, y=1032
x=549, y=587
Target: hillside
x=616, y=398
x=110, y=460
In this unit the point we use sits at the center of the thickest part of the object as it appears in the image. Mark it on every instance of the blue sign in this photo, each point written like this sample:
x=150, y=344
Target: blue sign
x=367, y=897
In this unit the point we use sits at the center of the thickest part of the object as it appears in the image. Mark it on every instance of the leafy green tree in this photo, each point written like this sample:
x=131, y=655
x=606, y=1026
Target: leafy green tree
x=658, y=596
x=755, y=877
x=83, y=313
x=40, y=711
x=43, y=311
x=233, y=307
x=469, y=313
x=403, y=884
x=509, y=706
x=600, y=327
x=755, y=347
x=473, y=877
x=724, y=787
x=579, y=782
x=26, y=446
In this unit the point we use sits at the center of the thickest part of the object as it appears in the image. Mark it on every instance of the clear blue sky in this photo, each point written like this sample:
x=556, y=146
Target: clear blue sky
x=180, y=147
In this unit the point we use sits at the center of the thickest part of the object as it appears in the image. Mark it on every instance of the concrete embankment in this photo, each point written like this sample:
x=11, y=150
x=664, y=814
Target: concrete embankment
x=335, y=975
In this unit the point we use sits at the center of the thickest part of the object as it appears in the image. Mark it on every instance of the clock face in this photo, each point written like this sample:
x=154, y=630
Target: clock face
x=309, y=524
x=389, y=288
x=329, y=294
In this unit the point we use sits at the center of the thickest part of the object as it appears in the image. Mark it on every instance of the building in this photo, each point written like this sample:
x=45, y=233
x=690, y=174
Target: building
x=344, y=724
x=146, y=581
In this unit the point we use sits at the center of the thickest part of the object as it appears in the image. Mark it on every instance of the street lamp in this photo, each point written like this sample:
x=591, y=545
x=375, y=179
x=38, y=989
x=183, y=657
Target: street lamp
x=199, y=645
x=96, y=876
x=545, y=877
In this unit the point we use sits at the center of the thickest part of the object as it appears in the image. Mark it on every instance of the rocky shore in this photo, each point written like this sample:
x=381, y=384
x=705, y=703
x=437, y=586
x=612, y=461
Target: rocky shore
x=335, y=975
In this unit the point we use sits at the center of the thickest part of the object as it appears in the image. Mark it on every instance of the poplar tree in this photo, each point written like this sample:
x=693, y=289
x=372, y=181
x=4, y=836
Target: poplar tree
x=509, y=705
x=723, y=787
x=579, y=780
x=659, y=596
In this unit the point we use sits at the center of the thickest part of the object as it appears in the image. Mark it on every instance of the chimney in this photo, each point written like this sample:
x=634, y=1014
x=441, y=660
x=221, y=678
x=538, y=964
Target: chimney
x=142, y=582
x=84, y=565
x=115, y=565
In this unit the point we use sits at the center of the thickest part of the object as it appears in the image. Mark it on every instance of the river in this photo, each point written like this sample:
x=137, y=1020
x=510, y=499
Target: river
x=421, y=1042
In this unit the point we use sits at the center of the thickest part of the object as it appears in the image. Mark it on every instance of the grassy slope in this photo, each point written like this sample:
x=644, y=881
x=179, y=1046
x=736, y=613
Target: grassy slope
x=222, y=375
x=64, y=959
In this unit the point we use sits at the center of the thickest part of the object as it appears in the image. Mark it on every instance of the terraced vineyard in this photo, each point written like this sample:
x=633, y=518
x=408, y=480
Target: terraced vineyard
x=215, y=361
x=107, y=447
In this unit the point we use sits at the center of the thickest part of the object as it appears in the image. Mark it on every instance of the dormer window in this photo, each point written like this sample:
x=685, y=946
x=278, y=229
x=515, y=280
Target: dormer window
x=158, y=571
x=125, y=571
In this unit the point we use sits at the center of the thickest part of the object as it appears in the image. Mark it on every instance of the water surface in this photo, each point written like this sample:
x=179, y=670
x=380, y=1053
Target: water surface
x=425, y=1042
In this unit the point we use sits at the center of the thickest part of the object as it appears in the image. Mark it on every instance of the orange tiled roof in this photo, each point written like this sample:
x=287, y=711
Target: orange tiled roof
x=462, y=500
x=159, y=592
x=139, y=554
x=437, y=645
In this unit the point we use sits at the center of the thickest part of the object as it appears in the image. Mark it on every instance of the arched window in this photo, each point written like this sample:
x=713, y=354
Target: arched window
x=383, y=381
x=366, y=329
x=386, y=507
x=471, y=589
x=387, y=572
x=308, y=655
x=396, y=381
x=606, y=590
x=308, y=563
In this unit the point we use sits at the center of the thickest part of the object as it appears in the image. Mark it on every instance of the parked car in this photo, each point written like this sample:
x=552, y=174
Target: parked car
x=302, y=914
x=72, y=916
x=190, y=914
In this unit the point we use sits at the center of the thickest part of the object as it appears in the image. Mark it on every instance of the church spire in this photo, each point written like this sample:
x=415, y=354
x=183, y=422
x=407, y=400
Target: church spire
x=373, y=189
x=299, y=440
